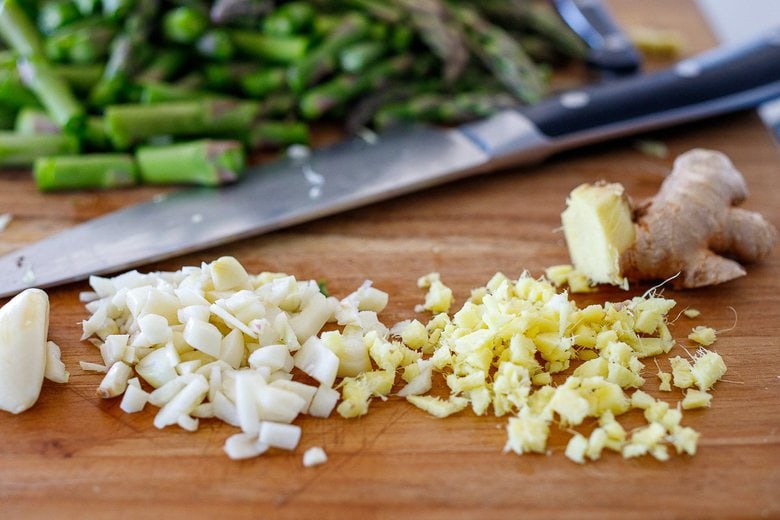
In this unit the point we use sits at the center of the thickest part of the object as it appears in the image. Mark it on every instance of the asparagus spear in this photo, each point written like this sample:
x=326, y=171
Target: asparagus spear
x=206, y=162
x=164, y=66
x=226, y=11
x=278, y=49
x=288, y=19
x=55, y=14
x=152, y=93
x=95, y=137
x=184, y=24
x=262, y=82
x=360, y=55
x=277, y=134
x=76, y=172
x=18, y=150
x=324, y=58
x=215, y=45
x=539, y=17
x=323, y=98
x=84, y=41
x=81, y=77
x=439, y=108
x=13, y=93
x=130, y=124
x=17, y=29
x=502, y=55
x=434, y=24
x=387, y=12
x=53, y=92
x=33, y=121
x=129, y=50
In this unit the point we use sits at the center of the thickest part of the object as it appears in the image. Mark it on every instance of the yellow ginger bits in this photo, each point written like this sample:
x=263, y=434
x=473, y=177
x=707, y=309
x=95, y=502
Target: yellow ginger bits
x=438, y=407
x=565, y=274
x=644, y=440
x=577, y=448
x=681, y=372
x=439, y=296
x=692, y=313
x=499, y=352
x=527, y=433
x=665, y=378
x=414, y=335
x=702, y=335
x=708, y=368
x=685, y=440
x=696, y=399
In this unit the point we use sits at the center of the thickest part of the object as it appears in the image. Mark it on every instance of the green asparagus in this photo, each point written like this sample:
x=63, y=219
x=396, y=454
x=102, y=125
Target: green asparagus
x=57, y=13
x=18, y=150
x=206, y=162
x=53, y=93
x=128, y=125
x=501, y=54
x=277, y=134
x=33, y=121
x=250, y=71
x=78, y=172
x=18, y=31
x=324, y=58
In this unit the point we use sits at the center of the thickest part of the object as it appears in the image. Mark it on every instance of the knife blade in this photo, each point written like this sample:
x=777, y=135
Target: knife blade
x=732, y=22
x=361, y=171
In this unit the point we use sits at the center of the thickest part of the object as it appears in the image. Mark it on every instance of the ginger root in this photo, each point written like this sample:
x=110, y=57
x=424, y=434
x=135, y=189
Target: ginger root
x=690, y=229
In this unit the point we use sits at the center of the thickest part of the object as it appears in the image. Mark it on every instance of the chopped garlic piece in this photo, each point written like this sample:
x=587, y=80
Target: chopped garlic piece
x=5, y=219
x=55, y=369
x=314, y=456
x=244, y=446
x=692, y=313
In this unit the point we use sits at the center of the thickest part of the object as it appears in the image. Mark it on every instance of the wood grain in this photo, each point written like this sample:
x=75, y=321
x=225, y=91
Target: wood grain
x=74, y=455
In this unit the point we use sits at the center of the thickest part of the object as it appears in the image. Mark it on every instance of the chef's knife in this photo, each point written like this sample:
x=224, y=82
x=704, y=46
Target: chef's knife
x=610, y=51
x=361, y=171
x=734, y=22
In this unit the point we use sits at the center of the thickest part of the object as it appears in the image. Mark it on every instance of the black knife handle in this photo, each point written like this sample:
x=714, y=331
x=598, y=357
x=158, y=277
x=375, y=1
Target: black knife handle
x=609, y=48
x=721, y=80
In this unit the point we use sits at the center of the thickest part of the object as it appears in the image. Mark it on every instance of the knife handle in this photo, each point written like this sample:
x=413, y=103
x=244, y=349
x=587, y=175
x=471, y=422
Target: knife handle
x=610, y=50
x=721, y=80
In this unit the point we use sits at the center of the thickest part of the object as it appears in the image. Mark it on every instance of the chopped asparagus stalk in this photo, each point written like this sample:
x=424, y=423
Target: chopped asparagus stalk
x=53, y=92
x=278, y=134
x=33, y=121
x=129, y=124
x=78, y=172
x=18, y=150
x=206, y=162
x=18, y=31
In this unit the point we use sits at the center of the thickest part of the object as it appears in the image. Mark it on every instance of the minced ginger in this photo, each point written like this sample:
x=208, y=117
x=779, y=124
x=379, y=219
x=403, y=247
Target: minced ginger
x=498, y=354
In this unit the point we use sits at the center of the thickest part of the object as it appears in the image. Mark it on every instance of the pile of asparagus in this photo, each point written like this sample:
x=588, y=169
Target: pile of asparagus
x=110, y=93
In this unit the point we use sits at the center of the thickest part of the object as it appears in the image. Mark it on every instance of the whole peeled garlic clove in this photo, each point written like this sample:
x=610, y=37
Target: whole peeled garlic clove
x=24, y=326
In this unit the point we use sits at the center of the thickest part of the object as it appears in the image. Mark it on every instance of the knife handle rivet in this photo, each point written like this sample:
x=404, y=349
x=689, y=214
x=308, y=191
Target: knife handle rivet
x=615, y=42
x=688, y=69
x=574, y=99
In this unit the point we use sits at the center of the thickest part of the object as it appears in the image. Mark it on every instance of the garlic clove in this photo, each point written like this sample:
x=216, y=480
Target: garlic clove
x=24, y=326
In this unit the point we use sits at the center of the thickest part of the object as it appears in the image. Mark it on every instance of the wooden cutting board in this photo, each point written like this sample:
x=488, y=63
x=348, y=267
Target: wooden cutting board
x=74, y=455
